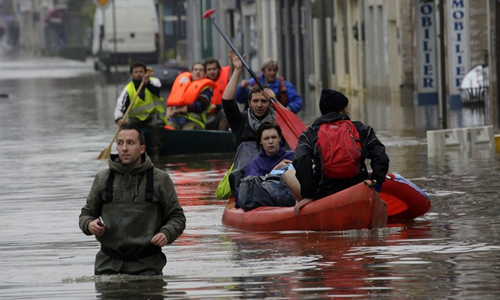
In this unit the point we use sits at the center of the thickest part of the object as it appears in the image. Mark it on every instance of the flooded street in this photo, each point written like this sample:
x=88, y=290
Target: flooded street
x=57, y=116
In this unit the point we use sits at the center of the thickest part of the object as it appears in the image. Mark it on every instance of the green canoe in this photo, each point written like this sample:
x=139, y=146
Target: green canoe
x=179, y=142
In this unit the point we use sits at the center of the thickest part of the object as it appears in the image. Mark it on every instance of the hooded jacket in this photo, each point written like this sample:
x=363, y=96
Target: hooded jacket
x=131, y=186
x=314, y=184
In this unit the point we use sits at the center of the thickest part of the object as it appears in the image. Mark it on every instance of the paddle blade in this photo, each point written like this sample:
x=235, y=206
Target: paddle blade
x=208, y=13
x=105, y=153
x=291, y=126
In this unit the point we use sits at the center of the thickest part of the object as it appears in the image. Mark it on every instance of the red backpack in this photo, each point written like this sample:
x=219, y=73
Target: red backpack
x=339, y=149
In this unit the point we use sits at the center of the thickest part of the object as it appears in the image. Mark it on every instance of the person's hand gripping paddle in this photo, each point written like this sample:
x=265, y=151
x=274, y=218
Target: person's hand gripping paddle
x=105, y=153
x=290, y=124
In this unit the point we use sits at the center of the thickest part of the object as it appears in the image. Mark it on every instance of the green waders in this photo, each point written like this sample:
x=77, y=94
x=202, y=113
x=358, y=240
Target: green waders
x=126, y=244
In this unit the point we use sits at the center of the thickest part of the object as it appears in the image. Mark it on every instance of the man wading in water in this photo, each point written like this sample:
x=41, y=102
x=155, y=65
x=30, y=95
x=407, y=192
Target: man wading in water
x=133, y=210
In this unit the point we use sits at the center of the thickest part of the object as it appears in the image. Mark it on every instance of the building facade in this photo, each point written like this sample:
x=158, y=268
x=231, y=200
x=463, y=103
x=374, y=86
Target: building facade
x=390, y=49
x=412, y=53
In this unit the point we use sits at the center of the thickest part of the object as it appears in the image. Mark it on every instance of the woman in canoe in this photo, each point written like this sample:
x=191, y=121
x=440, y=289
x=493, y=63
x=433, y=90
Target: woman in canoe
x=270, y=169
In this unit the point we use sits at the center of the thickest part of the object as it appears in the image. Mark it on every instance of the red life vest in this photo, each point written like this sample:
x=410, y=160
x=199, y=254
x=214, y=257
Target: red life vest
x=340, y=149
x=221, y=82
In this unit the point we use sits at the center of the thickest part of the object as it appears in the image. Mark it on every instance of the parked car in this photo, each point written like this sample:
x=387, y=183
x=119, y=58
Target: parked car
x=167, y=74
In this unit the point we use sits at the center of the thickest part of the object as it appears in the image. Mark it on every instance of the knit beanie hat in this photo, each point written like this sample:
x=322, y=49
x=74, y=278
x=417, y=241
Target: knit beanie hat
x=332, y=101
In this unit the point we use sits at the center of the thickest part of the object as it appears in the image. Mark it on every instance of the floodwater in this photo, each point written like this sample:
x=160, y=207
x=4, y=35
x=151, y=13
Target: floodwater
x=56, y=116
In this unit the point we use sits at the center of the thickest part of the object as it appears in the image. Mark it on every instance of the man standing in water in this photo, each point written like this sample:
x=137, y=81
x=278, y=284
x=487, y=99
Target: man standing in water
x=133, y=210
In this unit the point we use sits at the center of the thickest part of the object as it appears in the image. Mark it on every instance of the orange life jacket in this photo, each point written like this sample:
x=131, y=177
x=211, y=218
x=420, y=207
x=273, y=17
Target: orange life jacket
x=195, y=88
x=180, y=85
x=184, y=91
x=221, y=85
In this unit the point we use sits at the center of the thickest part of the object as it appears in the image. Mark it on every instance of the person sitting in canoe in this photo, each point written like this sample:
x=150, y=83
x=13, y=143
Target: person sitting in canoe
x=330, y=155
x=287, y=95
x=268, y=171
x=147, y=111
x=244, y=125
x=216, y=119
x=189, y=99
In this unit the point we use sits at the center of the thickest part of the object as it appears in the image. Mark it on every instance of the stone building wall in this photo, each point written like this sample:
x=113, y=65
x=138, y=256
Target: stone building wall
x=478, y=31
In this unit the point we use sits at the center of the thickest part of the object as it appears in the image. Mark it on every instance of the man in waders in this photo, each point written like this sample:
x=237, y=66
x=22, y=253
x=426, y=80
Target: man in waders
x=133, y=210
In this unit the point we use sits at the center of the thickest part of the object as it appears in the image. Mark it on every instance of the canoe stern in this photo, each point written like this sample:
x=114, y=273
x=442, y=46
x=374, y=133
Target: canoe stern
x=358, y=207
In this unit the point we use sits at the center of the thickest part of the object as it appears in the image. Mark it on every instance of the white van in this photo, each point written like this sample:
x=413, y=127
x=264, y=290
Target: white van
x=136, y=23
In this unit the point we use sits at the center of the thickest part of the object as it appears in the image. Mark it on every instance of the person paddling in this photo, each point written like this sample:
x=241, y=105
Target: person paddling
x=244, y=125
x=147, y=112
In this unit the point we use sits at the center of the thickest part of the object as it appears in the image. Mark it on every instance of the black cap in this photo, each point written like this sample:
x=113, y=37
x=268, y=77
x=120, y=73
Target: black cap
x=332, y=101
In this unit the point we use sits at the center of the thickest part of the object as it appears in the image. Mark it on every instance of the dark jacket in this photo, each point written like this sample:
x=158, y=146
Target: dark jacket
x=238, y=122
x=131, y=187
x=314, y=184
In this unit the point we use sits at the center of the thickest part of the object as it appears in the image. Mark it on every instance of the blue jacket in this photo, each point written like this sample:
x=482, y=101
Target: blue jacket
x=263, y=164
x=294, y=99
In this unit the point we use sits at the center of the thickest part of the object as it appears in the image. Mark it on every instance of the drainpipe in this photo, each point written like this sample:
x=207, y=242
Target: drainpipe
x=442, y=66
x=114, y=37
x=324, y=70
x=161, y=33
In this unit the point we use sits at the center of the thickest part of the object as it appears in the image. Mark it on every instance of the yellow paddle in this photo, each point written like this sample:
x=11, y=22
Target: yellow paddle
x=106, y=152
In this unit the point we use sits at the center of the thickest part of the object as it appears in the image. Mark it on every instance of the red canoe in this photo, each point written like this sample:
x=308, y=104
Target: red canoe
x=404, y=199
x=358, y=207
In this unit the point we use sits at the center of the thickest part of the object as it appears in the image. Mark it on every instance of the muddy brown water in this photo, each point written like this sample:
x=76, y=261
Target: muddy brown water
x=57, y=118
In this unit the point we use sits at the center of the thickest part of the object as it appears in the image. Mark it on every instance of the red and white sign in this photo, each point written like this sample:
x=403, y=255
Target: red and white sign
x=102, y=3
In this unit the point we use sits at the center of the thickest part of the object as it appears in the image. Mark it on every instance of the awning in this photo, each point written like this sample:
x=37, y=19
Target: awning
x=477, y=77
x=55, y=16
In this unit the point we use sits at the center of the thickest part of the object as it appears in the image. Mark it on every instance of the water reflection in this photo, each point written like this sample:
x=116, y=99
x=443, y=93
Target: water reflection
x=57, y=120
x=131, y=287
x=306, y=264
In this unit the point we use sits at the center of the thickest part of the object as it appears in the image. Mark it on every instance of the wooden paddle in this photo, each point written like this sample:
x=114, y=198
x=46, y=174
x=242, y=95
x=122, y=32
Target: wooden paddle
x=291, y=125
x=107, y=151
